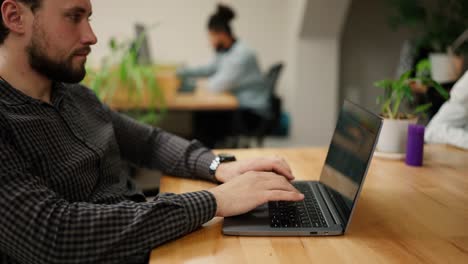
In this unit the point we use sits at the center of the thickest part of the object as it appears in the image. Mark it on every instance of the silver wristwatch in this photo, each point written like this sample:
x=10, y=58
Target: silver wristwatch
x=221, y=158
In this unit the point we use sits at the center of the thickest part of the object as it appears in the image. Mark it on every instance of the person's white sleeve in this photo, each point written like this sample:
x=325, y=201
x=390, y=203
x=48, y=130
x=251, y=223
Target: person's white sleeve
x=450, y=124
x=227, y=76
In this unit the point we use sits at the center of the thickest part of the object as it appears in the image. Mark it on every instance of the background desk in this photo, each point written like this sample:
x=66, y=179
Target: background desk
x=203, y=100
x=186, y=111
x=405, y=215
x=198, y=100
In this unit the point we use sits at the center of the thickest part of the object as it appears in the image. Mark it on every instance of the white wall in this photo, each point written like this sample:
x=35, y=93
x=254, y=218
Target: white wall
x=316, y=96
x=316, y=58
x=302, y=33
x=181, y=36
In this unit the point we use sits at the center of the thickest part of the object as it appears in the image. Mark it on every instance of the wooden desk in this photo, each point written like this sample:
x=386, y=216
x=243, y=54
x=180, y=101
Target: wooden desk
x=405, y=215
x=199, y=100
x=203, y=100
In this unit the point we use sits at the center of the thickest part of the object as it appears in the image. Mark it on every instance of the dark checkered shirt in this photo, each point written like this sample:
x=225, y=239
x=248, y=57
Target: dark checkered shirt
x=65, y=195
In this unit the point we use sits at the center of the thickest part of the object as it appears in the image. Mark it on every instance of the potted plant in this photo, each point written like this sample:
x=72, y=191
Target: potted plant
x=121, y=80
x=397, y=93
x=437, y=28
x=447, y=66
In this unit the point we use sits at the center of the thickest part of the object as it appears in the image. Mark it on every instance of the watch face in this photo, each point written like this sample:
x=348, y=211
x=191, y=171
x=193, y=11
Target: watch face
x=226, y=157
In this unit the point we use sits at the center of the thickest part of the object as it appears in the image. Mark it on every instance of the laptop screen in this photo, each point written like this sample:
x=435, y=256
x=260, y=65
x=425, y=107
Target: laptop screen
x=349, y=155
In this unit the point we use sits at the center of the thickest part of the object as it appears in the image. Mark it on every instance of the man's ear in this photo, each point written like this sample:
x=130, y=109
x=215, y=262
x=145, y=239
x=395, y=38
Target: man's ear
x=13, y=16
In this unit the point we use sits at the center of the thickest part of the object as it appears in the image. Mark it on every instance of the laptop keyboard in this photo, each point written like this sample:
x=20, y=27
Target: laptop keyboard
x=305, y=213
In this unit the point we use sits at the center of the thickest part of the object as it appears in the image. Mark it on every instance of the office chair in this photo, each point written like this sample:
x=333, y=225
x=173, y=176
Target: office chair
x=266, y=125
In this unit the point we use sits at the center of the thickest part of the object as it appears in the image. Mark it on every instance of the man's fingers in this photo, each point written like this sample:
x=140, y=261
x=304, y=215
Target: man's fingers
x=279, y=183
x=281, y=165
x=277, y=165
x=283, y=162
x=282, y=168
x=277, y=195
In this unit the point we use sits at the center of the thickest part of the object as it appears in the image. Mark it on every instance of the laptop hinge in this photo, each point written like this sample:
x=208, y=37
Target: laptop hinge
x=331, y=206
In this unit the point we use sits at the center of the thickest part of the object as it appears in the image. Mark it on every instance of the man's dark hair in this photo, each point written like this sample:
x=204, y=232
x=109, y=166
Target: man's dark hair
x=220, y=21
x=4, y=31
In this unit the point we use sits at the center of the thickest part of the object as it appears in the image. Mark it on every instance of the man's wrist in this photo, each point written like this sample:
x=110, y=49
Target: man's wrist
x=202, y=166
x=200, y=207
x=220, y=171
x=216, y=166
x=217, y=201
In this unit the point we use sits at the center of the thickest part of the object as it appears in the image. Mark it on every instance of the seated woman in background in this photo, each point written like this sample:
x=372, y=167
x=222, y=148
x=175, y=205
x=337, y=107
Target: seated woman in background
x=235, y=69
x=450, y=124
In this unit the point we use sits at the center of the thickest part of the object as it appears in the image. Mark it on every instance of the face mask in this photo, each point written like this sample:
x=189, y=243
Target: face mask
x=220, y=48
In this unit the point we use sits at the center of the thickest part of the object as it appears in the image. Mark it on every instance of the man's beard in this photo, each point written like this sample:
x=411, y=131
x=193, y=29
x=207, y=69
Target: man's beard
x=61, y=71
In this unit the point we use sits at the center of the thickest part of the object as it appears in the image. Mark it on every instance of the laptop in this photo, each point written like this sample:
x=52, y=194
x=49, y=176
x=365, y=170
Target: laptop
x=330, y=202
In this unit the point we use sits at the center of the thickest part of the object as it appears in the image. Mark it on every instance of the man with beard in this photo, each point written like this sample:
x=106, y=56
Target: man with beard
x=64, y=197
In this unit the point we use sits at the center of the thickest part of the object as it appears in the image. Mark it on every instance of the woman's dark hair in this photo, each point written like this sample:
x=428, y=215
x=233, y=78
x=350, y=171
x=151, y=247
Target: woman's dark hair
x=4, y=31
x=220, y=21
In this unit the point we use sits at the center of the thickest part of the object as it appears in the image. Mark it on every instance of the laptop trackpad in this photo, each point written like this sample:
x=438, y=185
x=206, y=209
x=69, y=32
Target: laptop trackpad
x=258, y=216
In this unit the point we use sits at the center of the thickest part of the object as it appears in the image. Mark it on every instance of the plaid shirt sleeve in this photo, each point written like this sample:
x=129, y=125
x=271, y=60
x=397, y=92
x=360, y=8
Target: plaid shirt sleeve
x=38, y=226
x=154, y=148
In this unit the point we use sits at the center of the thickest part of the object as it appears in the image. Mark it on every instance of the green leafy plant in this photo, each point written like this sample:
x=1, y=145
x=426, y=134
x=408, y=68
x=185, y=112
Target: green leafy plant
x=423, y=69
x=398, y=91
x=121, y=69
x=435, y=26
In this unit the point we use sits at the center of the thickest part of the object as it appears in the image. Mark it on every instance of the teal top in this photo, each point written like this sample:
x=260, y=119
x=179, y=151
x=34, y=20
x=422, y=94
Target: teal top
x=237, y=71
